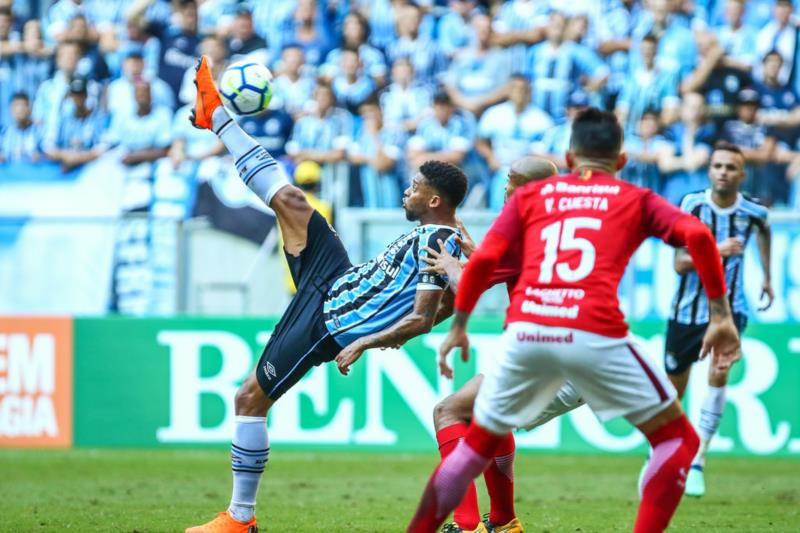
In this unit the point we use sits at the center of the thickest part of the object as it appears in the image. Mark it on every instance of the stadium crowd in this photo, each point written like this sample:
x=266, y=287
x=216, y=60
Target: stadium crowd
x=376, y=87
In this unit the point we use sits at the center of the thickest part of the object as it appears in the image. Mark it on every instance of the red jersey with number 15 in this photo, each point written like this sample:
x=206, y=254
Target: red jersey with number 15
x=578, y=234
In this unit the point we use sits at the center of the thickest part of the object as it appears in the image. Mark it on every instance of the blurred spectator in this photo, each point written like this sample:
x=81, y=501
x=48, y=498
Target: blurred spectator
x=307, y=176
x=513, y=23
x=272, y=129
x=60, y=14
x=117, y=45
x=615, y=31
x=355, y=34
x=9, y=48
x=352, y=86
x=243, y=42
x=76, y=137
x=423, y=52
x=217, y=16
x=180, y=42
x=293, y=86
x=323, y=134
x=20, y=141
x=310, y=33
x=506, y=132
x=648, y=88
x=92, y=65
x=713, y=77
x=120, y=94
x=737, y=38
x=778, y=105
x=448, y=135
x=190, y=144
x=405, y=101
x=478, y=75
x=272, y=20
x=10, y=42
x=145, y=135
x=213, y=47
x=51, y=93
x=757, y=144
x=779, y=34
x=683, y=161
x=33, y=63
x=377, y=153
x=555, y=142
x=558, y=67
x=787, y=156
x=384, y=15
x=455, y=28
x=676, y=46
x=643, y=149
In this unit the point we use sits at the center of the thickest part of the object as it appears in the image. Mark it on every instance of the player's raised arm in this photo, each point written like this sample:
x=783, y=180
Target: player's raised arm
x=420, y=320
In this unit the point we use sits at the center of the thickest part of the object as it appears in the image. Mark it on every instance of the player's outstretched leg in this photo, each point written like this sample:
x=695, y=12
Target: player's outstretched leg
x=449, y=482
x=674, y=443
x=451, y=419
x=710, y=416
x=258, y=170
x=249, y=455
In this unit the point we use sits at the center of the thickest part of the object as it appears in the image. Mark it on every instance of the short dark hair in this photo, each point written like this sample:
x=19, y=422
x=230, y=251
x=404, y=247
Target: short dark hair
x=772, y=52
x=521, y=76
x=20, y=96
x=442, y=98
x=725, y=146
x=596, y=133
x=651, y=38
x=448, y=180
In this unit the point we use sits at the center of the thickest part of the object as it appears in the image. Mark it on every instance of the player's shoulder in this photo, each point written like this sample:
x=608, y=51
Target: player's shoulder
x=752, y=207
x=435, y=231
x=692, y=200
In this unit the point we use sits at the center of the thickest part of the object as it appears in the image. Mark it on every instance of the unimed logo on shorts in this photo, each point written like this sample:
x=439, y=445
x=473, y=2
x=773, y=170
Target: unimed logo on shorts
x=35, y=382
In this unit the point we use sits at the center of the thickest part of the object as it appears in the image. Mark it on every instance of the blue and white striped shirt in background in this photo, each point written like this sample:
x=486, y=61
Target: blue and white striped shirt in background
x=690, y=305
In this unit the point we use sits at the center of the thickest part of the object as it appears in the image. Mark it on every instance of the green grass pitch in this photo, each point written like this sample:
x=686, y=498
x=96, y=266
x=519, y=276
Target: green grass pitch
x=166, y=490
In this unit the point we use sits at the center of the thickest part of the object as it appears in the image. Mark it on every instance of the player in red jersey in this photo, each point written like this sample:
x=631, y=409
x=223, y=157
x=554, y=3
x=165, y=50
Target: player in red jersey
x=451, y=416
x=578, y=233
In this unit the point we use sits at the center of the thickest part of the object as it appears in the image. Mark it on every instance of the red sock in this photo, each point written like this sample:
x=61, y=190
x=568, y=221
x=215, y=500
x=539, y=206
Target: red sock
x=451, y=478
x=499, y=479
x=466, y=515
x=674, y=446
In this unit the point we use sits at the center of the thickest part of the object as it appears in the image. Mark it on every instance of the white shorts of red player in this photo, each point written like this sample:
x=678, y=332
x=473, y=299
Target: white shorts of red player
x=529, y=378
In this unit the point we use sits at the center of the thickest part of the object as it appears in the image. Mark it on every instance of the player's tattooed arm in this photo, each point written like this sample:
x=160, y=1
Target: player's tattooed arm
x=764, y=240
x=445, y=307
x=683, y=261
x=420, y=320
x=719, y=308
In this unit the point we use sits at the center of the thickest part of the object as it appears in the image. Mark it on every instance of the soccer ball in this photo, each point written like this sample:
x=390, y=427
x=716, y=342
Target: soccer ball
x=245, y=88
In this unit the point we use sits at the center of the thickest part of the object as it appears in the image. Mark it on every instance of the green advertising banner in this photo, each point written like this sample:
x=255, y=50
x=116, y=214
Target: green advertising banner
x=155, y=382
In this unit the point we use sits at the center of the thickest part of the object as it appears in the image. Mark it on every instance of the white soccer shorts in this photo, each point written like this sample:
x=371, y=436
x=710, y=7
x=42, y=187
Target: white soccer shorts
x=610, y=374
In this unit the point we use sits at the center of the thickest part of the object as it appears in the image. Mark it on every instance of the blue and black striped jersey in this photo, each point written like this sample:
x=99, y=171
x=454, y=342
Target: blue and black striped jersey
x=690, y=305
x=372, y=296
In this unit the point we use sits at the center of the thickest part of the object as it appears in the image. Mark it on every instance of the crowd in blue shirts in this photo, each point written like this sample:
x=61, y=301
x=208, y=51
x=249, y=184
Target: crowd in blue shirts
x=379, y=86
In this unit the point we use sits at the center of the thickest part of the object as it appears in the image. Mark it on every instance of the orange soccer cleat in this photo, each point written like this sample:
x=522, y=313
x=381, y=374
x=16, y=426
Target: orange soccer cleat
x=207, y=96
x=224, y=523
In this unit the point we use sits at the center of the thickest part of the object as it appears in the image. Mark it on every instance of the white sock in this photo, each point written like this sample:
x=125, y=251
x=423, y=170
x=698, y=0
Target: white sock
x=710, y=416
x=259, y=171
x=249, y=454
